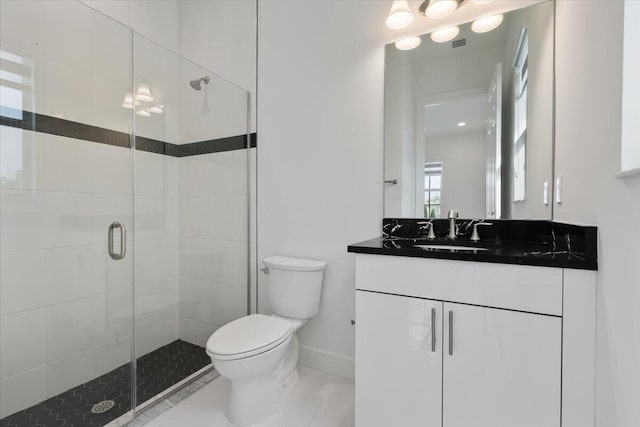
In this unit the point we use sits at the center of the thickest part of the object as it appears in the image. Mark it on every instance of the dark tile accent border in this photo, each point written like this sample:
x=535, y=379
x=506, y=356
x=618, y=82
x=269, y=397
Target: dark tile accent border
x=55, y=126
x=156, y=371
x=229, y=143
x=70, y=129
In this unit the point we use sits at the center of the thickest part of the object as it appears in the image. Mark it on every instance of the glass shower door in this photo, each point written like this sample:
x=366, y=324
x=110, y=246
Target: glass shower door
x=66, y=285
x=192, y=214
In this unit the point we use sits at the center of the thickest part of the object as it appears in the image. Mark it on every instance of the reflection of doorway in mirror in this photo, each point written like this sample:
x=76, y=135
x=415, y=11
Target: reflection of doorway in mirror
x=452, y=131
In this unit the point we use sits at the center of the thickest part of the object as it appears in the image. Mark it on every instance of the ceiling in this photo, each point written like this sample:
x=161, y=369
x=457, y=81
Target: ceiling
x=443, y=117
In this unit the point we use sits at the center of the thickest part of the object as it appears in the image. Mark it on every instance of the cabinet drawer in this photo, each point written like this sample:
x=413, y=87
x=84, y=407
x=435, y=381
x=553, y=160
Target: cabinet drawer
x=514, y=287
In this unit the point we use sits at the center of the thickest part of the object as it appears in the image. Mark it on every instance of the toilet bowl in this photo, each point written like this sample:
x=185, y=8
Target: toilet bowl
x=259, y=353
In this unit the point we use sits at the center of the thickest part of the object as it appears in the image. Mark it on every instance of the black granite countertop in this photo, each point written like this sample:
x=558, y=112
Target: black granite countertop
x=497, y=248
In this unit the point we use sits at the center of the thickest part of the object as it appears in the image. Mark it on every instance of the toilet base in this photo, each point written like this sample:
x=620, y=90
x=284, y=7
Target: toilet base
x=256, y=398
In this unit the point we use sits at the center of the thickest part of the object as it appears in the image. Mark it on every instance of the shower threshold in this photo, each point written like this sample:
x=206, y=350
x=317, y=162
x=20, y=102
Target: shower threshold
x=108, y=397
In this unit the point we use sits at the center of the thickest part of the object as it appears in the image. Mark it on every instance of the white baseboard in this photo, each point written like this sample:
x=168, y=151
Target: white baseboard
x=327, y=361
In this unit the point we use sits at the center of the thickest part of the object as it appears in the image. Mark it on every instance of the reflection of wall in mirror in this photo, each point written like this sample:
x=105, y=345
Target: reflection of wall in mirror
x=538, y=20
x=399, y=147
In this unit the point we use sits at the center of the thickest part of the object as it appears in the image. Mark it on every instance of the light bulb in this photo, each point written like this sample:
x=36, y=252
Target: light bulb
x=408, y=43
x=461, y=124
x=143, y=113
x=399, y=15
x=487, y=24
x=157, y=109
x=129, y=102
x=143, y=93
x=439, y=9
x=444, y=35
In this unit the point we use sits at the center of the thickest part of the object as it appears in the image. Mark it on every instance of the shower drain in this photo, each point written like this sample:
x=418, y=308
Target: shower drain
x=103, y=406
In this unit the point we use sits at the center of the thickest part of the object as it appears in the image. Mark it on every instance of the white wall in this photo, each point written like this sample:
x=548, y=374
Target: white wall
x=155, y=20
x=320, y=112
x=464, y=170
x=588, y=133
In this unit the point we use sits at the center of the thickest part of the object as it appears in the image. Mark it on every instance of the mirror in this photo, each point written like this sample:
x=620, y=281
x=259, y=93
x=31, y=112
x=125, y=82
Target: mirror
x=469, y=122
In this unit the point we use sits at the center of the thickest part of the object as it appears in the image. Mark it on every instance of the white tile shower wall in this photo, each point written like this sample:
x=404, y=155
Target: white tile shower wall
x=57, y=43
x=66, y=309
x=62, y=297
x=221, y=36
x=156, y=20
x=320, y=115
x=213, y=242
x=156, y=205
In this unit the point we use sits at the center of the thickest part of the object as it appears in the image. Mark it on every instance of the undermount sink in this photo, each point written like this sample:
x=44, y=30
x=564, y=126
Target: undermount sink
x=450, y=248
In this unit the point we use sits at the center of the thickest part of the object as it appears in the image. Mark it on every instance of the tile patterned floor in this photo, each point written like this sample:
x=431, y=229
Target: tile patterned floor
x=156, y=372
x=318, y=400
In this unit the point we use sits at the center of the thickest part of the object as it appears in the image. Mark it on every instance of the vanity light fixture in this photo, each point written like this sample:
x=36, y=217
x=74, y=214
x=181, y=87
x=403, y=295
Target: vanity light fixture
x=143, y=93
x=461, y=124
x=438, y=9
x=143, y=113
x=486, y=24
x=408, y=43
x=399, y=16
x=129, y=102
x=446, y=34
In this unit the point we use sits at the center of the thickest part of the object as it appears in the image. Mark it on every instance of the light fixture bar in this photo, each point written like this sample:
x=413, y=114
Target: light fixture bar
x=438, y=9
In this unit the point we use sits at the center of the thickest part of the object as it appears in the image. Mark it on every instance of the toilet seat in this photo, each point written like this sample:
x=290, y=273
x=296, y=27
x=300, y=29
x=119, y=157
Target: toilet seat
x=248, y=336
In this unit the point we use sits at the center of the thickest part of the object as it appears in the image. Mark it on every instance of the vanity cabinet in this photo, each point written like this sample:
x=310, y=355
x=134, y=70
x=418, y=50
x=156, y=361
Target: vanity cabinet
x=398, y=373
x=458, y=344
x=503, y=368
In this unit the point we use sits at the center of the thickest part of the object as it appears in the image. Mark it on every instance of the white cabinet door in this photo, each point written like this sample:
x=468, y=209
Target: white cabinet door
x=398, y=370
x=503, y=370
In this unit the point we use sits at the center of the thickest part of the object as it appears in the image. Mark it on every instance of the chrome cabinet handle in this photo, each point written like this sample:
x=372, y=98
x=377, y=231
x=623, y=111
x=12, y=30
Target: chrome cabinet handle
x=450, y=333
x=123, y=241
x=433, y=329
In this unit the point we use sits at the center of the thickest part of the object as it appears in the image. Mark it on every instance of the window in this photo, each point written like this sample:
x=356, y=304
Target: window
x=520, y=80
x=432, y=189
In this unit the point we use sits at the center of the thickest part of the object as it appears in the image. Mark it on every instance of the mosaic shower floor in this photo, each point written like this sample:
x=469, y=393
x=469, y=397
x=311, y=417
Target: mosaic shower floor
x=156, y=372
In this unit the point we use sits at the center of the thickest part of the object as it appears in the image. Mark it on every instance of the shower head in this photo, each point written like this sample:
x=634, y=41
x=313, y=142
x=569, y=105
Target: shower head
x=196, y=84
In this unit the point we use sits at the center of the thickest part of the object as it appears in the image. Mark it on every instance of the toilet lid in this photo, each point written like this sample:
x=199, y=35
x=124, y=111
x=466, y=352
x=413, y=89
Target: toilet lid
x=248, y=335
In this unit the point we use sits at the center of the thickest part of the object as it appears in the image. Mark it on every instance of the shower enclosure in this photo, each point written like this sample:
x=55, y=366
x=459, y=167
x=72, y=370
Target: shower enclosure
x=124, y=181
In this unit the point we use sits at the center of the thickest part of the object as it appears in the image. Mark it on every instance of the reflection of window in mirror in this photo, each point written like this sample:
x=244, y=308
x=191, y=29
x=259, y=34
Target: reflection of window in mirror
x=520, y=115
x=17, y=74
x=432, y=189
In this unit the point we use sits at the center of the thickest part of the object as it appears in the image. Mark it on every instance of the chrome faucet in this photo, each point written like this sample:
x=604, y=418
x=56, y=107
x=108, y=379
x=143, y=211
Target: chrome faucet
x=475, y=237
x=453, y=230
x=428, y=225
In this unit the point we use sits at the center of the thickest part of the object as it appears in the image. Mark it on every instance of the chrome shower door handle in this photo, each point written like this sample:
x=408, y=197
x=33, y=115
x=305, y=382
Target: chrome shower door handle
x=433, y=329
x=450, y=333
x=123, y=241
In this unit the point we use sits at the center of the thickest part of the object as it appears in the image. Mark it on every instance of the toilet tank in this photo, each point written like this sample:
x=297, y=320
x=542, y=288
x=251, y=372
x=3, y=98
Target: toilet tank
x=294, y=285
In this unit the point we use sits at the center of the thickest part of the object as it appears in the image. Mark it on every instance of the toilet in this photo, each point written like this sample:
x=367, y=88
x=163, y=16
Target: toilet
x=259, y=353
